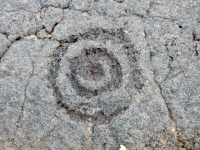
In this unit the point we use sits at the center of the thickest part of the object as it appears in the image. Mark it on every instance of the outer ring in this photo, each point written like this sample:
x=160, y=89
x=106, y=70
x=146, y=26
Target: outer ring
x=109, y=101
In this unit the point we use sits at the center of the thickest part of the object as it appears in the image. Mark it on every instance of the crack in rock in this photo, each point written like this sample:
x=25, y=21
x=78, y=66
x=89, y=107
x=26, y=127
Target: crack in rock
x=167, y=106
x=160, y=88
x=23, y=104
x=48, y=134
x=1, y=56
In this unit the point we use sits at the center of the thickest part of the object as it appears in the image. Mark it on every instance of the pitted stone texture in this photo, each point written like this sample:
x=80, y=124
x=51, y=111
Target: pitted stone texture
x=29, y=118
x=68, y=135
x=43, y=34
x=28, y=109
x=111, y=93
x=56, y=3
x=19, y=24
x=19, y=18
x=72, y=26
x=148, y=105
x=112, y=8
x=94, y=68
x=104, y=140
x=165, y=112
x=51, y=16
x=176, y=9
x=197, y=139
x=33, y=121
x=14, y=77
x=116, y=50
x=14, y=6
x=176, y=67
x=132, y=132
x=4, y=44
x=196, y=33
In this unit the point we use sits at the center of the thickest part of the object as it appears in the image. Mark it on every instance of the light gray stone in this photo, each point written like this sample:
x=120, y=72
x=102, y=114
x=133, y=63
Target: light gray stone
x=19, y=18
x=4, y=44
x=111, y=8
x=51, y=16
x=43, y=34
x=15, y=6
x=196, y=33
x=19, y=24
x=96, y=74
x=56, y=3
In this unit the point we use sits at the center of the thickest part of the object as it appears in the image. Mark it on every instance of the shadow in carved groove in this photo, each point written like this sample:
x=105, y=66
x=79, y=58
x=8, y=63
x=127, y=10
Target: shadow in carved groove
x=87, y=66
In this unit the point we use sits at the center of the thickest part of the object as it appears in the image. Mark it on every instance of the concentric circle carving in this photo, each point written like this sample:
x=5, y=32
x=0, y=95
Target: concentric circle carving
x=91, y=74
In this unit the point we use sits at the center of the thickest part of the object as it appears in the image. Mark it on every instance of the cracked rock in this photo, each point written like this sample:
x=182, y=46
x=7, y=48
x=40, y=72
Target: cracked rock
x=56, y=3
x=96, y=74
x=43, y=34
x=175, y=65
x=50, y=17
x=19, y=24
x=4, y=44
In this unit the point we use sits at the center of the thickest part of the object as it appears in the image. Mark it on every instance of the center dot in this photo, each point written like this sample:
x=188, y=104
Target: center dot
x=93, y=71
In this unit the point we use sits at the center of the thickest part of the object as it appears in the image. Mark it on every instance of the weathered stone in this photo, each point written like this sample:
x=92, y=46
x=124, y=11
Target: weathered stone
x=4, y=44
x=19, y=24
x=50, y=17
x=112, y=8
x=15, y=6
x=43, y=34
x=96, y=74
x=56, y=3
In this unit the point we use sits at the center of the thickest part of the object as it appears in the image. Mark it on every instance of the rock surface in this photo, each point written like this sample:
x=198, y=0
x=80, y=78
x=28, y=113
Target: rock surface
x=95, y=74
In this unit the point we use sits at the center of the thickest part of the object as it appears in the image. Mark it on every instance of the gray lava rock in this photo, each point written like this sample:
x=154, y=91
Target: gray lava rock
x=19, y=24
x=19, y=18
x=51, y=16
x=111, y=8
x=15, y=6
x=43, y=34
x=4, y=44
x=176, y=67
x=94, y=74
x=56, y=3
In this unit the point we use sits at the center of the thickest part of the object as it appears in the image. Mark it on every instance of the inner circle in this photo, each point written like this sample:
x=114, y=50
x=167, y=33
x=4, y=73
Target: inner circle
x=91, y=70
x=94, y=71
x=94, y=85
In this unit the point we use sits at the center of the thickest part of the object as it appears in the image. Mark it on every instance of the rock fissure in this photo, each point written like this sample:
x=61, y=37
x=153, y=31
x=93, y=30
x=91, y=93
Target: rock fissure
x=18, y=123
x=160, y=90
x=1, y=56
